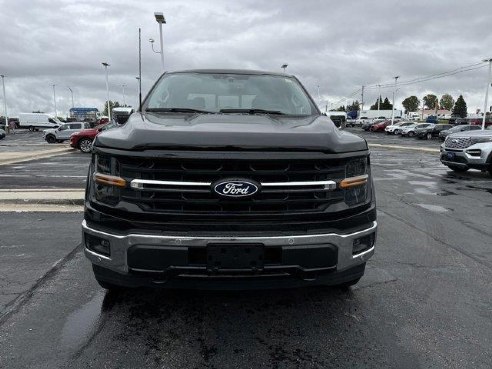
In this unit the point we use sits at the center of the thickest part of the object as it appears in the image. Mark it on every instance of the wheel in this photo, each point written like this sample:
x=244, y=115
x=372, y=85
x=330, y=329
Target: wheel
x=51, y=139
x=31, y=128
x=411, y=134
x=85, y=145
x=346, y=285
x=457, y=169
x=109, y=286
x=428, y=136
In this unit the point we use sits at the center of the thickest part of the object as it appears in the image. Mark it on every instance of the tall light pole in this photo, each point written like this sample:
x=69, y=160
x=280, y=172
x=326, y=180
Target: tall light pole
x=284, y=66
x=124, y=101
x=106, y=65
x=138, y=91
x=486, y=93
x=394, y=97
x=5, y=103
x=71, y=92
x=159, y=17
x=379, y=97
x=54, y=100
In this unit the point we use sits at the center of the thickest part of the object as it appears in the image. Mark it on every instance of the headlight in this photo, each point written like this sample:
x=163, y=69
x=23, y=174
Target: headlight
x=107, y=183
x=475, y=140
x=356, y=182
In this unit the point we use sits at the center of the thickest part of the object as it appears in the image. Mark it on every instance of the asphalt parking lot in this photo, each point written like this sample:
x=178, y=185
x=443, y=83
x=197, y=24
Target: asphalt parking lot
x=424, y=302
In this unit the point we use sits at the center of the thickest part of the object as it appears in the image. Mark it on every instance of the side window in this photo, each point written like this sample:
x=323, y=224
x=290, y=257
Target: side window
x=75, y=126
x=51, y=120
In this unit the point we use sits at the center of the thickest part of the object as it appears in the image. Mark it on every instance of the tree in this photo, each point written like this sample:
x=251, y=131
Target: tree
x=375, y=106
x=355, y=106
x=459, y=108
x=411, y=103
x=386, y=105
x=431, y=101
x=446, y=102
x=112, y=104
x=340, y=108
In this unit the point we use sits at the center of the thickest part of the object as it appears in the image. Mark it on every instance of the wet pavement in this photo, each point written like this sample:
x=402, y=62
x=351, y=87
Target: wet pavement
x=424, y=302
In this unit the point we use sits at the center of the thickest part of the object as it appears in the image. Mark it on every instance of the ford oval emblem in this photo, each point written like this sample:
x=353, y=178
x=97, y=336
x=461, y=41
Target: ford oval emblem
x=235, y=188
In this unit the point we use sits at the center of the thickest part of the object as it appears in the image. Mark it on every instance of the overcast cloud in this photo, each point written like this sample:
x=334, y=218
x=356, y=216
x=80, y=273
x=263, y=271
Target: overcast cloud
x=338, y=45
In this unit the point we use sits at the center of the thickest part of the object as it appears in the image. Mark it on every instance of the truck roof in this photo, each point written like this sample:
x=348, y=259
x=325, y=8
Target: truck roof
x=230, y=71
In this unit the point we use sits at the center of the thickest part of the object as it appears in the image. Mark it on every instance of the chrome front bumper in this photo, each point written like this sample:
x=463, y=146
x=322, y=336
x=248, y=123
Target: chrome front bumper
x=121, y=243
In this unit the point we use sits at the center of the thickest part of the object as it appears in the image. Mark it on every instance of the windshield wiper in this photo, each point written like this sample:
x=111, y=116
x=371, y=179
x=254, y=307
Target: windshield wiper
x=252, y=111
x=177, y=110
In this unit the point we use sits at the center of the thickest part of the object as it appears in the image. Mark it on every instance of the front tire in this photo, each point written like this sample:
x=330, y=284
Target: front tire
x=50, y=139
x=428, y=136
x=31, y=129
x=85, y=145
x=411, y=134
x=457, y=169
x=108, y=286
x=348, y=284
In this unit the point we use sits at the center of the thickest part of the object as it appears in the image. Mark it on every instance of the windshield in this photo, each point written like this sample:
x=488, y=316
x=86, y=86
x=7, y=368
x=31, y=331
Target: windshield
x=230, y=93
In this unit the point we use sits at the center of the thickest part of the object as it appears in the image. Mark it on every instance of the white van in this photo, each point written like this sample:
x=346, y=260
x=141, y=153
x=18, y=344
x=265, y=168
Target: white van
x=34, y=121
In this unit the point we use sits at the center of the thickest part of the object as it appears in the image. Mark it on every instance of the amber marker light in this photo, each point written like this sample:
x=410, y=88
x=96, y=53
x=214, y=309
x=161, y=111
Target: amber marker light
x=108, y=180
x=353, y=181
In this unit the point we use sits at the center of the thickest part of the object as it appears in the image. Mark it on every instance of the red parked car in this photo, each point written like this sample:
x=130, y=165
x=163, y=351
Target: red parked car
x=379, y=127
x=83, y=139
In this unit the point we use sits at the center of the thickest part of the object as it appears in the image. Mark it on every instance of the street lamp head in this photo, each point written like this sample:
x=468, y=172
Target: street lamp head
x=284, y=66
x=159, y=17
x=105, y=64
x=137, y=77
x=487, y=60
x=151, y=40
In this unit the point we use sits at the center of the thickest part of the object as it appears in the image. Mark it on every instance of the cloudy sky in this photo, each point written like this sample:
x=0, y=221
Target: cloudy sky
x=336, y=45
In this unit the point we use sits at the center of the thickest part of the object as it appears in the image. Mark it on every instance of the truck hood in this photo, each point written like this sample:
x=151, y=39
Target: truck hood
x=86, y=132
x=477, y=133
x=229, y=132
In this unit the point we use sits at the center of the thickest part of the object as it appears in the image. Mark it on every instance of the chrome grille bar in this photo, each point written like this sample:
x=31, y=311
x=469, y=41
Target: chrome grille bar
x=139, y=184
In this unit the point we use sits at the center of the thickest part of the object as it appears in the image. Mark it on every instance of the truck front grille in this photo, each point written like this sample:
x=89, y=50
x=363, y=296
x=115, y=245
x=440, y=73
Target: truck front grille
x=201, y=199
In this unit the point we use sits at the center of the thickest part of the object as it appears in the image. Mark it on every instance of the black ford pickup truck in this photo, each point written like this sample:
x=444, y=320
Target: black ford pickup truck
x=229, y=179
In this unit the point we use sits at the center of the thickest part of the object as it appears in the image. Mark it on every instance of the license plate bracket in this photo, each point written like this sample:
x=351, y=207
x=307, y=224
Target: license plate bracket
x=450, y=155
x=235, y=256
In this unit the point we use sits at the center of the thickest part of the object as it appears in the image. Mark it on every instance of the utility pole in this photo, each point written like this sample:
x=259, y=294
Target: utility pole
x=362, y=102
x=106, y=65
x=5, y=103
x=486, y=93
x=124, y=101
x=379, y=97
x=393, y=108
x=72, y=95
x=54, y=100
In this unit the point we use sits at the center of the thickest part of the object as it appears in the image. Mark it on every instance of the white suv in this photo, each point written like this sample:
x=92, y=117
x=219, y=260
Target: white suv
x=468, y=150
x=63, y=132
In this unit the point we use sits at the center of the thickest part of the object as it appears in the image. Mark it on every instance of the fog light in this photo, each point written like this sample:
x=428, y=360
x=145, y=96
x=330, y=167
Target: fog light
x=97, y=245
x=363, y=244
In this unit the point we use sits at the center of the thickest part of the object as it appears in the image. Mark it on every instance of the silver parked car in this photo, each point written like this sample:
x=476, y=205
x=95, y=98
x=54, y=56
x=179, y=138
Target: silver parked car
x=63, y=132
x=468, y=150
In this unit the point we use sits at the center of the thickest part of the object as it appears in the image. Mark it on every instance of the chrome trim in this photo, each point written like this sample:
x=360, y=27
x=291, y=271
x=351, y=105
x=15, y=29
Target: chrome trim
x=329, y=185
x=363, y=253
x=97, y=255
x=302, y=236
x=139, y=184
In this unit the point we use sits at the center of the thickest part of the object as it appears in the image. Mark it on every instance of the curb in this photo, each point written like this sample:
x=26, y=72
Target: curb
x=21, y=157
x=398, y=147
x=39, y=196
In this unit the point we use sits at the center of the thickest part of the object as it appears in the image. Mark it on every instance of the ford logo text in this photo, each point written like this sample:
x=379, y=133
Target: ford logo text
x=235, y=188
